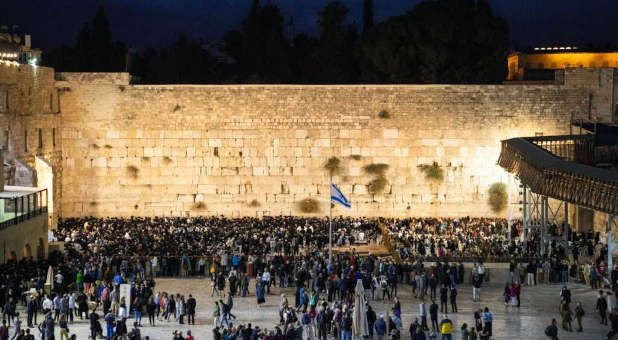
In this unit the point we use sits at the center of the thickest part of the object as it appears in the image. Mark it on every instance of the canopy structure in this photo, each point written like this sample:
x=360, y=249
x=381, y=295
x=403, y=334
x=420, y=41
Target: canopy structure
x=558, y=167
x=574, y=169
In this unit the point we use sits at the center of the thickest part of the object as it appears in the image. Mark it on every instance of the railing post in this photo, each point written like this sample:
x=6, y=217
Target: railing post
x=526, y=222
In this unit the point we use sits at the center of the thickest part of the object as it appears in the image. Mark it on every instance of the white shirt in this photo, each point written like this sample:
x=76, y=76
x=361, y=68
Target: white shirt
x=48, y=304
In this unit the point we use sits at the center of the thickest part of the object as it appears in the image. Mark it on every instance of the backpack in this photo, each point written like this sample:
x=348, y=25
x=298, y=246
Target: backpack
x=548, y=331
x=306, y=319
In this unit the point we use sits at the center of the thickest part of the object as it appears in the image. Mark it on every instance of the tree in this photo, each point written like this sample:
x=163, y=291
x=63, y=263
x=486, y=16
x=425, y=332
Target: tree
x=367, y=16
x=334, y=57
x=443, y=41
x=260, y=48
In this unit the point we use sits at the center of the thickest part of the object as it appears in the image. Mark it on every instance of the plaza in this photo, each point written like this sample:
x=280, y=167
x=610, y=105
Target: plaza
x=539, y=304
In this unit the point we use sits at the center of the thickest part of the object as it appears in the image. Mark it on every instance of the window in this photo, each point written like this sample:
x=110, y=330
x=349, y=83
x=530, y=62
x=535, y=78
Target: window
x=54, y=137
x=51, y=102
x=40, y=138
x=25, y=140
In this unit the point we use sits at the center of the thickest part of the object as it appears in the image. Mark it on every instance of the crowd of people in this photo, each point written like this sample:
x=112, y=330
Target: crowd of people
x=253, y=255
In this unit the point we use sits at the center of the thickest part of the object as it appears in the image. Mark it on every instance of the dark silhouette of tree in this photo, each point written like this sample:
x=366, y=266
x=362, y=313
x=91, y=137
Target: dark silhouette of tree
x=443, y=41
x=94, y=51
x=437, y=41
x=260, y=48
x=334, y=59
x=367, y=16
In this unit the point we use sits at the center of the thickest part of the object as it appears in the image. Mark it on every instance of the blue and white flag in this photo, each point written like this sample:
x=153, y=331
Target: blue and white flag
x=337, y=196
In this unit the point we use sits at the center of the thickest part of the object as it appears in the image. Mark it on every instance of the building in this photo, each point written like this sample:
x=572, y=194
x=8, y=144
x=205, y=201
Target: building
x=540, y=63
x=16, y=47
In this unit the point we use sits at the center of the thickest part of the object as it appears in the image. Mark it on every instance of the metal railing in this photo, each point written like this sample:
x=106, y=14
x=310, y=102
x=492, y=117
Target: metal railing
x=19, y=209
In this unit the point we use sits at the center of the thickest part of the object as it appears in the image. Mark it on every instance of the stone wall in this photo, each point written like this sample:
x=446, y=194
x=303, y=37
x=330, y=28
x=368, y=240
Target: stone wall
x=25, y=239
x=253, y=150
x=600, y=84
x=30, y=125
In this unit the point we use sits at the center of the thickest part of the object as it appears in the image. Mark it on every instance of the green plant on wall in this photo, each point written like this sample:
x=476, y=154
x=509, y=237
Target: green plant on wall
x=308, y=206
x=379, y=181
x=132, y=171
x=433, y=172
x=333, y=166
x=254, y=203
x=377, y=169
x=384, y=114
x=199, y=206
x=377, y=185
x=497, y=197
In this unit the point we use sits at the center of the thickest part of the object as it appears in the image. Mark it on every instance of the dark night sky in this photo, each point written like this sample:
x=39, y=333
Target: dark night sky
x=157, y=22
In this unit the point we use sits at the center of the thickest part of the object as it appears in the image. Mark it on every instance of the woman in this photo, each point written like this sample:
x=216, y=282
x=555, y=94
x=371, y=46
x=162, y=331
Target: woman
x=419, y=334
x=567, y=315
x=180, y=310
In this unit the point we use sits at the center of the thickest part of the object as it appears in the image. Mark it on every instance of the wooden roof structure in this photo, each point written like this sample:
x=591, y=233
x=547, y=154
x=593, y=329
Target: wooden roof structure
x=560, y=167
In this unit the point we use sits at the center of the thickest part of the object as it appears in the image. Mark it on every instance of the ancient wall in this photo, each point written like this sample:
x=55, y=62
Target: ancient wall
x=601, y=86
x=25, y=239
x=259, y=149
x=30, y=125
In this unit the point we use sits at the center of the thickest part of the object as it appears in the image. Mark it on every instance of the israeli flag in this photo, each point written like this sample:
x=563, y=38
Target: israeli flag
x=337, y=196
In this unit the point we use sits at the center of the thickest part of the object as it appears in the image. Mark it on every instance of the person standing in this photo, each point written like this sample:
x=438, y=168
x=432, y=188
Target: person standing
x=602, y=307
x=488, y=320
x=567, y=316
x=433, y=284
x=446, y=328
x=371, y=320
x=94, y=324
x=433, y=313
x=476, y=287
x=31, y=310
x=423, y=315
x=322, y=324
x=190, y=306
x=109, y=323
x=579, y=314
x=443, y=299
x=453, y=299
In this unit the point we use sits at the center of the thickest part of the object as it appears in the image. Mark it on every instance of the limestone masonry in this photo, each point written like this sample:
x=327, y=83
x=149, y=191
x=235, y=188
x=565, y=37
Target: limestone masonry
x=253, y=150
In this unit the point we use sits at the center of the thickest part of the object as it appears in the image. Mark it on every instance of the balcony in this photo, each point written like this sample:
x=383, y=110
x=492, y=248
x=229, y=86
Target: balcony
x=18, y=204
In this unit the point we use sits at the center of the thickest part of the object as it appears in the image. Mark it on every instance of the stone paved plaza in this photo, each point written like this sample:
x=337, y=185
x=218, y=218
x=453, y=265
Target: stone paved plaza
x=539, y=305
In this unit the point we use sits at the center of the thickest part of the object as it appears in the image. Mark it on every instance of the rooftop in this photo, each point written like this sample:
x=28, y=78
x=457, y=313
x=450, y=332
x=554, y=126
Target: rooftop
x=11, y=192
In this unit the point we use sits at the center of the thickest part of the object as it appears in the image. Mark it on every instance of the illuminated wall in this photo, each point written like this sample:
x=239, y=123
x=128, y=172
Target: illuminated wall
x=191, y=150
x=519, y=62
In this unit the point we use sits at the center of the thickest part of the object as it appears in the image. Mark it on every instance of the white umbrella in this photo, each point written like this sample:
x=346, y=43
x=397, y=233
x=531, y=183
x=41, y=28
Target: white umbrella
x=50, y=277
x=359, y=317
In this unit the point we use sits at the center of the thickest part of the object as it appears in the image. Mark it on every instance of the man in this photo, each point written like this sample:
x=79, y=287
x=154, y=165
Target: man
x=446, y=328
x=476, y=287
x=322, y=324
x=109, y=323
x=454, y=299
x=433, y=284
x=602, y=307
x=191, y=304
x=31, y=309
x=57, y=307
x=433, y=313
x=47, y=305
x=423, y=315
x=552, y=330
x=443, y=299
x=28, y=336
x=94, y=324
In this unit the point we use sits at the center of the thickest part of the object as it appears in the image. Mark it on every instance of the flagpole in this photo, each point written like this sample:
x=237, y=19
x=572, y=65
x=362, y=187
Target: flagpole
x=330, y=221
